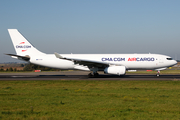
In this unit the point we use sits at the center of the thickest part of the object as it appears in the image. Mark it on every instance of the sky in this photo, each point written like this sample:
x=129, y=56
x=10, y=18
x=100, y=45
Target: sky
x=94, y=26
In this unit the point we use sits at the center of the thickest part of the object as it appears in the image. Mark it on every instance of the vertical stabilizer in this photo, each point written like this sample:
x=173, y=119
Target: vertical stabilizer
x=21, y=45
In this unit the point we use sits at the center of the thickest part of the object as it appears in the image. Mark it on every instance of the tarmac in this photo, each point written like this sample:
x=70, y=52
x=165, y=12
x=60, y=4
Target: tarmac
x=82, y=75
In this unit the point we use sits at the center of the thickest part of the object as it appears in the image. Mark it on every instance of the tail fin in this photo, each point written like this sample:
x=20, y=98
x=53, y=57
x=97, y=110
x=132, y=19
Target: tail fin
x=21, y=45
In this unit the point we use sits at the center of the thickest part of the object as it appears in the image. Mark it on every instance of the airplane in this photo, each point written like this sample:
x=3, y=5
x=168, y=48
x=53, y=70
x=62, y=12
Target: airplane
x=116, y=64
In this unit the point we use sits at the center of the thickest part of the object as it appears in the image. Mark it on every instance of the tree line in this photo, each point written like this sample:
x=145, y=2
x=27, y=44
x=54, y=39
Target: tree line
x=29, y=67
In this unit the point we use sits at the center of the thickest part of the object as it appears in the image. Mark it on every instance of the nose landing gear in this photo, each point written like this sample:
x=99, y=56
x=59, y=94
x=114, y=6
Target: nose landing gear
x=158, y=73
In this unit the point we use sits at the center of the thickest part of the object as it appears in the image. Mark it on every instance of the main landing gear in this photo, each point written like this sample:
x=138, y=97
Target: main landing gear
x=95, y=74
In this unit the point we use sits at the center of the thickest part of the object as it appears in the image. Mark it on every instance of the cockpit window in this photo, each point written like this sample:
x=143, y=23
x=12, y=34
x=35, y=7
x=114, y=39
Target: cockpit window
x=169, y=58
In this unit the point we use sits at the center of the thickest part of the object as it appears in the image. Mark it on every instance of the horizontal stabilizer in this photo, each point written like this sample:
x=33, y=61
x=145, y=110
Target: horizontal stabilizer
x=26, y=58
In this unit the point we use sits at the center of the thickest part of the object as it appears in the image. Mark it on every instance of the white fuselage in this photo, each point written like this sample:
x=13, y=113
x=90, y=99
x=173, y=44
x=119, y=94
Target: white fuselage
x=130, y=61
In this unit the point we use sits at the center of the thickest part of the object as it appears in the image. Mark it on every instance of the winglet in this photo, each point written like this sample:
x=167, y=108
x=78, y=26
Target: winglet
x=58, y=55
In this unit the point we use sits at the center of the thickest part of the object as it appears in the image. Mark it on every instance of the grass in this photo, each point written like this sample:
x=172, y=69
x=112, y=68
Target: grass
x=89, y=100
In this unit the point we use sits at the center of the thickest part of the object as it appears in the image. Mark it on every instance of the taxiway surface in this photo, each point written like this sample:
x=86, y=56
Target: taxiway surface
x=81, y=75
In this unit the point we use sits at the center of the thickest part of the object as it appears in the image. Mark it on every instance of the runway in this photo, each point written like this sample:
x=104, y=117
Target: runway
x=81, y=75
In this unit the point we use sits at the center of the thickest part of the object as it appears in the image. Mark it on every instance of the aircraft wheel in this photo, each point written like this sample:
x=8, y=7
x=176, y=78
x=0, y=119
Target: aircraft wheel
x=96, y=74
x=90, y=75
x=158, y=74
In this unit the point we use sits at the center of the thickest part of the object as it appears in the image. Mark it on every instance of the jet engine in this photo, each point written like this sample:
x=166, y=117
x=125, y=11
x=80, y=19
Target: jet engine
x=117, y=70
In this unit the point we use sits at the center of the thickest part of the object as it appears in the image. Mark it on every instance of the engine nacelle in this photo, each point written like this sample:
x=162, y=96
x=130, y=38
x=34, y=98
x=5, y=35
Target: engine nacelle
x=117, y=70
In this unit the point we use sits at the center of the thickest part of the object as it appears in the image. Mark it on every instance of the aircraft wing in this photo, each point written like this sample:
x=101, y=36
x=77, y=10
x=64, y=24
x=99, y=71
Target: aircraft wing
x=85, y=62
x=26, y=58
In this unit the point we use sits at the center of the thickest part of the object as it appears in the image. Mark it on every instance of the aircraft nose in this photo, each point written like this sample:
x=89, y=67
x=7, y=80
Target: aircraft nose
x=175, y=62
